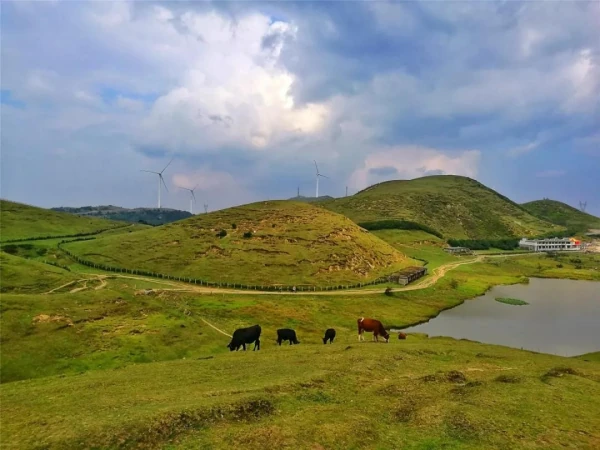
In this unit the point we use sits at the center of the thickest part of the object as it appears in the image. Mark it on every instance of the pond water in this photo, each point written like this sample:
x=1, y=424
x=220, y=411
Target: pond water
x=562, y=318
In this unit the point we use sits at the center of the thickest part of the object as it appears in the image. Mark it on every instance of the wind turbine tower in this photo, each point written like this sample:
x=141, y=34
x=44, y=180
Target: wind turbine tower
x=192, y=198
x=318, y=175
x=582, y=206
x=206, y=208
x=160, y=179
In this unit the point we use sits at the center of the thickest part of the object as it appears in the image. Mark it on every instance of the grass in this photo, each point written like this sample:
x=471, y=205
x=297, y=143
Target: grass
x=594, y=356
x=20, y=275
x=19, y=221
x=511, y=301
x=562, y=214
x=417, y=394
x=457, y=207
x=291, y=243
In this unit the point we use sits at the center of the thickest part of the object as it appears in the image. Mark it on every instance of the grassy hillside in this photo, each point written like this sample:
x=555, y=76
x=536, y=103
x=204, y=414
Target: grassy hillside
x=23, y=275
x=413, y=394
x=265, y=243
x=150, y=216
x=456, y=207
x=562, y=214
x=19, y=221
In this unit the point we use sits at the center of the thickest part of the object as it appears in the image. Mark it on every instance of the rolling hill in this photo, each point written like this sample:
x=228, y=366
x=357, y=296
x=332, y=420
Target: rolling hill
x=453, y=206
x=26, y=276
x=19, y=221
x=562, y=214
x=150, y=216
x=264, y=243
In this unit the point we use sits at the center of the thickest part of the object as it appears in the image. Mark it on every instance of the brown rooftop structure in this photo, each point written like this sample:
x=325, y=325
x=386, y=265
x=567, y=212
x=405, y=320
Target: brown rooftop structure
x=407, y=275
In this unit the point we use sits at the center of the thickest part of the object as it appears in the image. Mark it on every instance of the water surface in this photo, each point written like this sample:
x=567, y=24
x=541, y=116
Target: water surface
x=562, y=318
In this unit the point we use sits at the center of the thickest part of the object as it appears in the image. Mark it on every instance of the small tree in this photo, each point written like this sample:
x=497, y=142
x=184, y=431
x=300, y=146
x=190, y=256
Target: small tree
x=388, y=291
x=233, y=226
x=222, y=234
x=247, y=234
x=454, y=284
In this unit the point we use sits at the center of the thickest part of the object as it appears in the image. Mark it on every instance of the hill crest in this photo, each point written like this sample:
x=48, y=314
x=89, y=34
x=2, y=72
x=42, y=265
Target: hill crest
x=562, y=214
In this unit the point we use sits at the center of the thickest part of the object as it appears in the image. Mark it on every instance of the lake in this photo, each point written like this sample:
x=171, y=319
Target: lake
x=562, y=318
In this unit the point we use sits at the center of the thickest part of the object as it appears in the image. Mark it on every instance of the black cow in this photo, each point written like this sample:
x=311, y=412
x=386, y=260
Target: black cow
x=285, y=334
x=243, y=336
x=329, y=335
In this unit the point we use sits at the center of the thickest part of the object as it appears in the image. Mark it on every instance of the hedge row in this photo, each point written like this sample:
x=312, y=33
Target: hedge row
x=398, y=225
x=43, y=238
x=210, y=283
x=485, y=244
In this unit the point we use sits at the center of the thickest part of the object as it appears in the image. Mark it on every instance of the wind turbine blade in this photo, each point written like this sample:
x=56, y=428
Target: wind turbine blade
x=167, y=166
x=193, y=195
x=316, y=167
x=195, y=187
x=149, y=171
x=323, y=176
x=163, y=181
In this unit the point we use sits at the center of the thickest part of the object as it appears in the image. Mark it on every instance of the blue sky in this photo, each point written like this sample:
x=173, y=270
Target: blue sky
x=244, y=95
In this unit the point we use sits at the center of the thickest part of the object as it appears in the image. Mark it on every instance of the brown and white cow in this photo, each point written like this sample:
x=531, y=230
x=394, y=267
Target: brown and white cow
x=372, y=325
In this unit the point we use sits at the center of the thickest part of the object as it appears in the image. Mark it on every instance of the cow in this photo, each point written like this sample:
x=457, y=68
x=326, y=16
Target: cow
x=372, y=325
x=243, y=336
x=285, y=334
x=329, y=336
x=401, y=335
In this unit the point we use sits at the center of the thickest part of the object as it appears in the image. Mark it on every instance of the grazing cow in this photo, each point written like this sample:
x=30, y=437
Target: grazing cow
x=285, y=334
x=329, y=336
x=401, y=335
x=243, y=336
x=372, y=325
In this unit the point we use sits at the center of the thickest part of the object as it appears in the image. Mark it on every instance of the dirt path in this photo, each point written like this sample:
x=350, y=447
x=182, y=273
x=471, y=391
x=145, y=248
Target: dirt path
x=82, y=288
x=436, y=275
x=212, y=326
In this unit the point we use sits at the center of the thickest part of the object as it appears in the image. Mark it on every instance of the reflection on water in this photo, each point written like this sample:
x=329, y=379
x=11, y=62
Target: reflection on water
x=562, y=318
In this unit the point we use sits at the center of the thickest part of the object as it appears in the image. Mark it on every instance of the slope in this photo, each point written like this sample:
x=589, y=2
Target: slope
x=456, y=207
x=150, y=216
x=265, y=243
x=19, y=221
x=562, y=214
x=20, y=275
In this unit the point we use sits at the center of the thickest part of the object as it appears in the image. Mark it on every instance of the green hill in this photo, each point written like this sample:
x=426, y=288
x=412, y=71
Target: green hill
x=454, y=206
x=150, y=216
x=20, y=275
x=19, y=221
x=265, y=243
x=562, y=214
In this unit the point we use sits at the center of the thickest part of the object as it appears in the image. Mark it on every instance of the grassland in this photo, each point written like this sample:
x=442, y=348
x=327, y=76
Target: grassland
x=456, y=207
x=20, y=275
x=562, y=214
x=266, y=243
x=19, y=221
x=413, y=394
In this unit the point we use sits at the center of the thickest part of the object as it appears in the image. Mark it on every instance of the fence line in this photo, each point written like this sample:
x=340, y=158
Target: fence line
x=240, y=286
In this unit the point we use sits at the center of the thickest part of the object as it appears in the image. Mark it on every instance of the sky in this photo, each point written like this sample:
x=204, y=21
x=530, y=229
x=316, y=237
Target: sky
x=245, y=95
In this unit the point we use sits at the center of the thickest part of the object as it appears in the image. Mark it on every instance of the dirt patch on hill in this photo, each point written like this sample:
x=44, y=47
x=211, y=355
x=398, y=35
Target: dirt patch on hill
x=45, y=318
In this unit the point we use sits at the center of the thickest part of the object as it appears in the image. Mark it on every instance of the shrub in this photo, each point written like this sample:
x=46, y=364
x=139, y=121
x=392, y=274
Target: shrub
x=388, y=292
x=454, y=284
x=247, y=234
x=222, y=234
x=233, y=226
x=559, y=266
x=11, y=249
x=398, y=225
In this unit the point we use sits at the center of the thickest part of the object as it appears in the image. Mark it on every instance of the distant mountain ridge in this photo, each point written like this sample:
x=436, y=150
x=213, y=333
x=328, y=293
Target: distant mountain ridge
x=150, y=216
x=453, y=206
x=562, y=214
x=302, y=198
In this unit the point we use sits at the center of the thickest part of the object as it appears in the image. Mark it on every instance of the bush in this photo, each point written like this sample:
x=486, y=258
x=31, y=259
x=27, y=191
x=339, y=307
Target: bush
x=247, y=234
x=485, y=244
x=388, y=291
x=454, y=284
x=10, y=249
x=559, y=266
x=222, y=234
x=233, y=226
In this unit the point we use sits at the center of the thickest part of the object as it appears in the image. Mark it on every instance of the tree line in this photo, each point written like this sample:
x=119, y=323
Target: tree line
x=398, y=225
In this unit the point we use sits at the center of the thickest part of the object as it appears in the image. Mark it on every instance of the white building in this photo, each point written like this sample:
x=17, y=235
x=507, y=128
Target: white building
x=550, y=245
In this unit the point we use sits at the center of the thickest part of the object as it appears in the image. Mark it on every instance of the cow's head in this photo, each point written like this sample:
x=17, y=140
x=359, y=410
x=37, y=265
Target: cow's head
x=386, y=336
x=230, y=346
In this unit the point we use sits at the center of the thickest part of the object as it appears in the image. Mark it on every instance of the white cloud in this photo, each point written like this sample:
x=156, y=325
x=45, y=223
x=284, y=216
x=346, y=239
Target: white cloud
x=413, y=162
x=523, y=149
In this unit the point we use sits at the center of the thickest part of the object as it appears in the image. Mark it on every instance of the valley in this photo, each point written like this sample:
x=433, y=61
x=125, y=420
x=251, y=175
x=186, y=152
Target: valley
x=117, y=359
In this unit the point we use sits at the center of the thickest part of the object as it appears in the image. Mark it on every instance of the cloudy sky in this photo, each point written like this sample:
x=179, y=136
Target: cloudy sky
x=245, y=95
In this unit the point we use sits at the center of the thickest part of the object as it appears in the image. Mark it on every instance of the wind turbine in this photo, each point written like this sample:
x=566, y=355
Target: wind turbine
x=318, y=175
x=160, y=179
x=192, y=197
